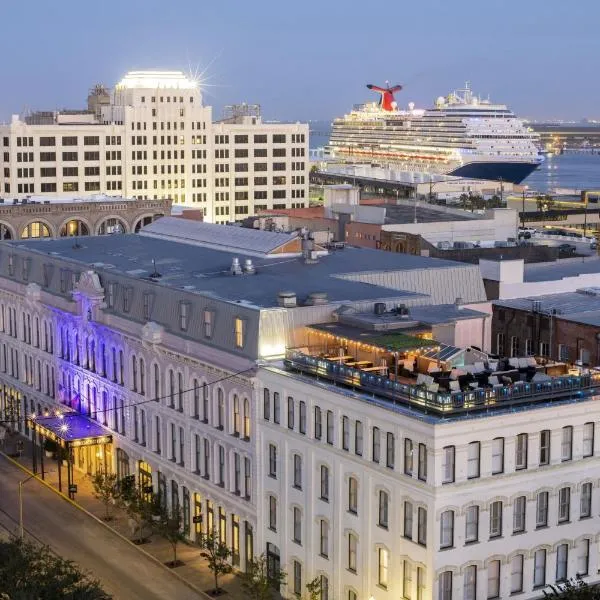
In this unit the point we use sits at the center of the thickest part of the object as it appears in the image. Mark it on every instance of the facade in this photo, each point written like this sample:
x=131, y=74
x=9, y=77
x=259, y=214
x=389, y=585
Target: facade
x=219, y=361
x=153, y=138
x=562, y=326
x=47, y=217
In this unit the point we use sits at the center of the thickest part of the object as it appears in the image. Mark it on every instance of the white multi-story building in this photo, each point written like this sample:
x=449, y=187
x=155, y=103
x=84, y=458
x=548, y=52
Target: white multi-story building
x=335, y=462
x=153, y=138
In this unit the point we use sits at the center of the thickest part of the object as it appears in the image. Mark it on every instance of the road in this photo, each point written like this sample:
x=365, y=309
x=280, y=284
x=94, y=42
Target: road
x=123, y=570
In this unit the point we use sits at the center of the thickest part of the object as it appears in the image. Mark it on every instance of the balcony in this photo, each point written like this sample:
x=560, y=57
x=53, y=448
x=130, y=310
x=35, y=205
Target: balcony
x=490, y=388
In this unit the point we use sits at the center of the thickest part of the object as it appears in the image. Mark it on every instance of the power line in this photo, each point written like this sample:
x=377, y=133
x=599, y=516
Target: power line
x=157, y=399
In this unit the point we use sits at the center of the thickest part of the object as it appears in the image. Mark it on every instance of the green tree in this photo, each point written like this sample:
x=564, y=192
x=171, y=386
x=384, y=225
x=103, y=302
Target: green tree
x=106, y=490
x=168, y=526
x=140, y=510
x=313, y=589
x=575, y=589
x=217, y=554
x=31, y=571
x=259, y=581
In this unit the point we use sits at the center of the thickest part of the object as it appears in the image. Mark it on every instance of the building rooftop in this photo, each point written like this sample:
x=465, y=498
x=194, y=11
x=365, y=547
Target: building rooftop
x=68, y=199
x=174, y=80
x=570, y=267
x=199, y=261
x=397, y=214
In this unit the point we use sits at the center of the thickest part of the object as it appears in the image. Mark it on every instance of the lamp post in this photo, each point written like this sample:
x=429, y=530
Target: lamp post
x=21, y=484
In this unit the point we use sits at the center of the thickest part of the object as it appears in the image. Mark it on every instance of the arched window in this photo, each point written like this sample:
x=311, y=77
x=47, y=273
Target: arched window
x=246, y=419
x=236, y=415
x=353, y=495
x=220, y=409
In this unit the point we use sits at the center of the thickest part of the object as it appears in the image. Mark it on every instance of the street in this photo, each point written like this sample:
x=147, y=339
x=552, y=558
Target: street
x=123, y=571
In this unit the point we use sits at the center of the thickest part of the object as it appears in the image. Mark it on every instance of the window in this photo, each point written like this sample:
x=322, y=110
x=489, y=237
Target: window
x=545, y=447
x=324, y=483
x=345, y=433
x=566, y=447
x=384, y=502
x=239, y=332
x=276, y=408
x=324, y=588
x=447, y=529
x=472, y=524
x=376, y=450
x=521, y=452
x=324, y=539
x=358, y=438
x=422, y=468
x=470, y=583
x=272, y=461
x=585, y=501
x=473, y=460
x=583, y=557
x=290, y=414
x=352, y=495
x=297, y=578
x=516, y=574
x=390, y=450
x=297, y=529
x=500, y=344
x=564, y=504
x=408, y=457
x=562, y=558
x=330, y=427
x=588, y=439
x=266, y=404
x=539, y=568
x=352, y=545
x=302, y=423
x=272, y=513
x=448, y=465
x=496, y=519
x=318, y=423
x=493, y=579
x=297, y=471
x=384, y=557
x=208, y=323
x=541, y=511
x=408, y=520
x=406, y=579
x=422, y=526
x=445, y=586
x=519, y=511
x=497, y=456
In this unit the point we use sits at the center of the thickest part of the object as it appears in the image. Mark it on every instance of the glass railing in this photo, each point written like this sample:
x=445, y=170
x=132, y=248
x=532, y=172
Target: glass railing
x=519, y=392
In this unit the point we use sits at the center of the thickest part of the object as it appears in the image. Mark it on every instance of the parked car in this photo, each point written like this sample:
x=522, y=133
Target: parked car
x=567, y=249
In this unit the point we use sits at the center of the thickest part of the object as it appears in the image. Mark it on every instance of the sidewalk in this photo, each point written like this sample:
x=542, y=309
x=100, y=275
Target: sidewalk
x=194, y=570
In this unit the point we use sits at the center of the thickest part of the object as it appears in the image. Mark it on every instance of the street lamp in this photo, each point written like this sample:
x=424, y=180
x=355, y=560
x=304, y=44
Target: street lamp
x=21, y=484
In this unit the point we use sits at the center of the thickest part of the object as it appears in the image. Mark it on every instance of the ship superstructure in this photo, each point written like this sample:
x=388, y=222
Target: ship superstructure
x=462, y=135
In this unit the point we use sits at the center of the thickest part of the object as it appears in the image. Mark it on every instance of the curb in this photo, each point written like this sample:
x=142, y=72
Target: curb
x=107, y=526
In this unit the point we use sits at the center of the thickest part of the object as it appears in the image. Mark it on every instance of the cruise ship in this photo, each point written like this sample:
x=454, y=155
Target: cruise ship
x=462, y=135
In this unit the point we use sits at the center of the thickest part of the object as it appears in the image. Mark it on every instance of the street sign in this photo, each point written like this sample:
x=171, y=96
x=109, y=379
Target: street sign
x=73, y=488
x=197, y=519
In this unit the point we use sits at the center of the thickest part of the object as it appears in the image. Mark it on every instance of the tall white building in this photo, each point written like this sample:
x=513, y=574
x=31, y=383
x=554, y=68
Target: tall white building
x=269, y=388
x=153, y=138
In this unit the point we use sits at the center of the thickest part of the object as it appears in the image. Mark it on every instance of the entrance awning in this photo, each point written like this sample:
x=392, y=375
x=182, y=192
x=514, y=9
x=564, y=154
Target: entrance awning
x=72, y=429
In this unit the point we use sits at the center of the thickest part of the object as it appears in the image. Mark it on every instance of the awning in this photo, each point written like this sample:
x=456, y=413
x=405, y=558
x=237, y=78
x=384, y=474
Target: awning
x=72, y=429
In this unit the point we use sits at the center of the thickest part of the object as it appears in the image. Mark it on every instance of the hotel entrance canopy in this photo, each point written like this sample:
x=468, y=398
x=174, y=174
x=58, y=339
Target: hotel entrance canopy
x=72, y=430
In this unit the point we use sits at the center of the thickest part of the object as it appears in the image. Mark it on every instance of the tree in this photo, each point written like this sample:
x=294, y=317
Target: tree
x=259, y=581
x=106, y=490
x=575, y=589
x=217, y=554
x=31, y=571
x=168, y=526
x=140, y=510
x=313, y=589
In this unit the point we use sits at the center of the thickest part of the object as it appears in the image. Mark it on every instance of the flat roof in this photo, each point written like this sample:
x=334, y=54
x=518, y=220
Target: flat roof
x=206, y=270
x=8, y=201
x=400, y=214
x=567, y=267
x=74, y=427
x=566, y=305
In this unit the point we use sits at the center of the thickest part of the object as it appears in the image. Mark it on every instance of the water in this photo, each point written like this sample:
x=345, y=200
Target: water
x=568, y=171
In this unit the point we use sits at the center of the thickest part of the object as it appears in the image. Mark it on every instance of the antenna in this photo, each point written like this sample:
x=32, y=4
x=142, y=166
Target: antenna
x=155, y=274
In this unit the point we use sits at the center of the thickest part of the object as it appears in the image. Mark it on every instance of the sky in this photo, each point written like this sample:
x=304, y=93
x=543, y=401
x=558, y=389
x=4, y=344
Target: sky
x=308, y=60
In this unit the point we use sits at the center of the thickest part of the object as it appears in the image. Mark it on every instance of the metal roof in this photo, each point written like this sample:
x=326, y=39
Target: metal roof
x=233, y=238
x=568, y=304
x=570, y=267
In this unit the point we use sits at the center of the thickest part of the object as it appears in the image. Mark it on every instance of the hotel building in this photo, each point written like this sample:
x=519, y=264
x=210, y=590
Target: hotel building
x=335, y=410
x=153, y=138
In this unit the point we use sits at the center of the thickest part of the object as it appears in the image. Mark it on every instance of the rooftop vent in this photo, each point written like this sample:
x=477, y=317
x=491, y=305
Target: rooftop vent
x=235, y=268
x=379, y=308
x=249, y=267
x=287, y=299
x=316, y=299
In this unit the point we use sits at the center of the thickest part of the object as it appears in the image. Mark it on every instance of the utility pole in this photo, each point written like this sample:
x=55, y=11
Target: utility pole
x=21, y=484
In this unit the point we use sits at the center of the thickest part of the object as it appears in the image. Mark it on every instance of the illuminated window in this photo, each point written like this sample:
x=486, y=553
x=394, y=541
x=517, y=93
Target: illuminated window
x=239, y=332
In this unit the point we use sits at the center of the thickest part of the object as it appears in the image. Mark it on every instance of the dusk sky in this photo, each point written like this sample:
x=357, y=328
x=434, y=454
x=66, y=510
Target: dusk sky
x=311, y=59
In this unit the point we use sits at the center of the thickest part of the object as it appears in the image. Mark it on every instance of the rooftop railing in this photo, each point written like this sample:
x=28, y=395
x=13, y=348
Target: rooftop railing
x=442, y=402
